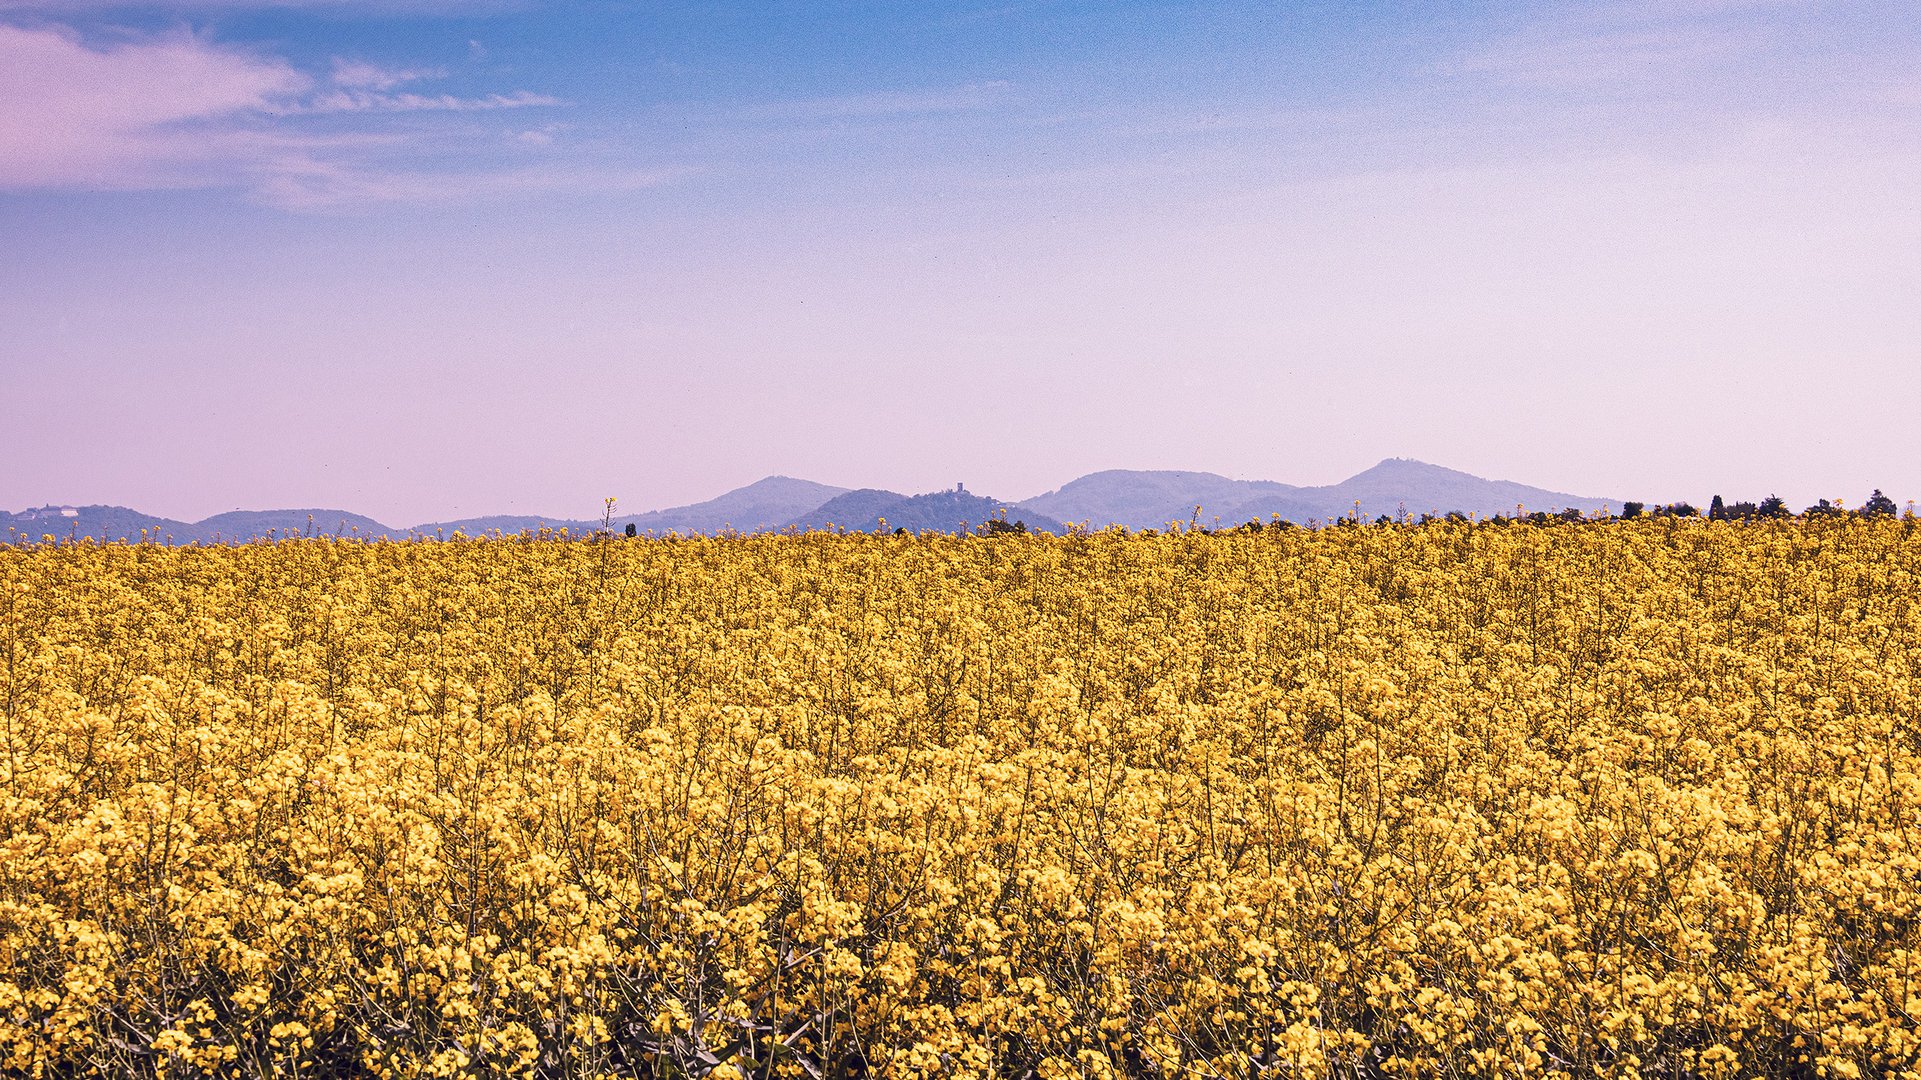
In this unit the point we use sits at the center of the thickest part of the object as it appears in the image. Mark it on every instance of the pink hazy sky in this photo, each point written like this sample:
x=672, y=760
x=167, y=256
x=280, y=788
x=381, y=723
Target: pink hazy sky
x=432, y=260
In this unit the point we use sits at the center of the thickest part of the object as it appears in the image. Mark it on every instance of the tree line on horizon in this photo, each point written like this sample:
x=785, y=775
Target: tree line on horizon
x=1772, y=508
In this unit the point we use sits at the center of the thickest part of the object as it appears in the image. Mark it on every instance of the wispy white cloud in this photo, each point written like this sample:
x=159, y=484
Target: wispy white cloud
x=359, y=86
x=361, y=75
x=110, y=117
x=183, y=111
x=351, y=101
x=332, y=187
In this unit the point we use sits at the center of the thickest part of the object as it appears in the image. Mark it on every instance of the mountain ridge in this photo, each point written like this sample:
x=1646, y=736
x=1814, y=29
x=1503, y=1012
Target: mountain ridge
x=1134, y=499
x=955, y=510
x=1392, y=487
x=766, y=504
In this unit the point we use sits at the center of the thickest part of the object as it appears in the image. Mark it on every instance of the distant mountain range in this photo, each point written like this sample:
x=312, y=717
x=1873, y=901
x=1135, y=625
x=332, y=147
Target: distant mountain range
x=1134, y=499
x=120, y=523
x=1150, y=500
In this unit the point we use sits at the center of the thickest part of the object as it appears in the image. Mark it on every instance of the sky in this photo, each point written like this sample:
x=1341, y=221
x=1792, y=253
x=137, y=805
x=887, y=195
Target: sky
x=428, y=259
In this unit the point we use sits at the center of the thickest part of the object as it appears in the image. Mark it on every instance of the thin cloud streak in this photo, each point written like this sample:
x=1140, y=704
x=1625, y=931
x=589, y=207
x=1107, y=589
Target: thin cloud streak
x=327, y=188
x=361, y=75
x=353, y=101
x=365, y=87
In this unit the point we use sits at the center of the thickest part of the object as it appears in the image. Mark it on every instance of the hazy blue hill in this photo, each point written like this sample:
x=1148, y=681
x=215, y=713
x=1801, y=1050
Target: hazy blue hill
x=243, y=525
x=858, y=510
x=761, y=506
x=99, y=522
x=1299, y=509
x=941, y=511
x=1149, y=499
x=1399, y=480
x=1133, y=498
x=508, y=524
x=1400, y=484
x=108, y=523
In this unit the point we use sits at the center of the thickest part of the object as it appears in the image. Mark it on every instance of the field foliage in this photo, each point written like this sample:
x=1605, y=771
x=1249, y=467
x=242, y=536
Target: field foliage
x=1614, y=799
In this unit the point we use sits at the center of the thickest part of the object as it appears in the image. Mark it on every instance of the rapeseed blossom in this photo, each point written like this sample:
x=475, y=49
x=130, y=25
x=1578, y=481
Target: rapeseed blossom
x=1618, y=799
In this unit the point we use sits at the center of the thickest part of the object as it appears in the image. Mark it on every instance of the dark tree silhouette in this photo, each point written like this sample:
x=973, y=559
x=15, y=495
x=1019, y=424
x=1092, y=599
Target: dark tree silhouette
x=1773, y=507
x=1878, y=505
x=1824, y=508
x=1632, y=509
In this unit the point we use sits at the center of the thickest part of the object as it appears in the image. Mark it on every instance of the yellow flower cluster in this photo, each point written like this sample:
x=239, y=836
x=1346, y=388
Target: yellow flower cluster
x=1630, y=798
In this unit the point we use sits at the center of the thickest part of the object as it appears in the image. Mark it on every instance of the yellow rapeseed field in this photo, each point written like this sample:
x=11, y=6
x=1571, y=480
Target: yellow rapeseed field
x=1623, y=798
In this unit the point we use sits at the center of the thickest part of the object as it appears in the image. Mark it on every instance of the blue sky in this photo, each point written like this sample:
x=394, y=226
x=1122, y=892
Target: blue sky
x=430, y=259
